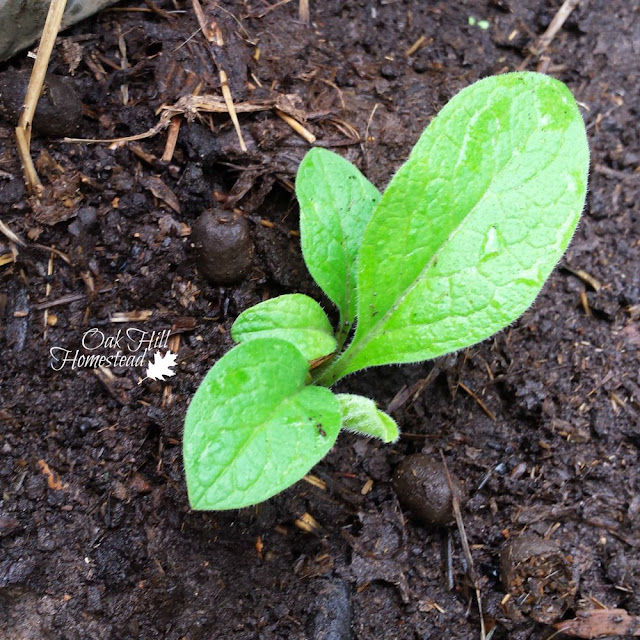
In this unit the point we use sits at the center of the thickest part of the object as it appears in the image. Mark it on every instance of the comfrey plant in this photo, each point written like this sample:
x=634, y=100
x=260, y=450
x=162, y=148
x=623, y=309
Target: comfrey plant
x=455, y=249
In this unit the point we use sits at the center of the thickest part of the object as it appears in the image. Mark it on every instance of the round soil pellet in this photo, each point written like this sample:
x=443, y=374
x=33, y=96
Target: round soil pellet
x=224, y=250
x=59, y=108
x=539, y=578
x=422, y=487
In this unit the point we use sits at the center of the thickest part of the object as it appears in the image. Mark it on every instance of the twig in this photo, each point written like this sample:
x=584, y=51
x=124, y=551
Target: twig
x=612, y=173
x=297, y=127
x=556, y=24
x=269, y=9
x=47, y=294
x=303, y=12
x=455, y=503
x=584, y=276
x=23, y=130
x=59, y=253
x=478, y=400
x=420, y=42
x=213, y=35
x=172, y=138
x=66, y=299
x=5, y=230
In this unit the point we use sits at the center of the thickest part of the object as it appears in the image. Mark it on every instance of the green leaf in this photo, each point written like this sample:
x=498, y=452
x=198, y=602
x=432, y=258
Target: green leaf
x=472, y=224
x=295, y=318
x=361, y=415
x=253, y=428
x=336, y=203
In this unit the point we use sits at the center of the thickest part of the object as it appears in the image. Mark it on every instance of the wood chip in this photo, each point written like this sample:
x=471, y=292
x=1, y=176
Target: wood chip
x=316, y=482
x=307, y=523
x=53, y=479
x=366, y=488
x=130, y=316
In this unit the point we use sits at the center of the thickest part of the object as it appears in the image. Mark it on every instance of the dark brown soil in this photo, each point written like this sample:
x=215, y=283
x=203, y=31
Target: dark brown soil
x=541, y=423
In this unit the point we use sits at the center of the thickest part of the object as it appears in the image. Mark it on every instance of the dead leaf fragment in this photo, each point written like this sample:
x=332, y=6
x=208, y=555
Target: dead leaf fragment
x=161, y=191
x=599, y=623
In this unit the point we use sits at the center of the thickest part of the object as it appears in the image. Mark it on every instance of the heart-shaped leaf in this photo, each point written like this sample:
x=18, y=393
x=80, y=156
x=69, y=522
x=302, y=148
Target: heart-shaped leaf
x=253, y=428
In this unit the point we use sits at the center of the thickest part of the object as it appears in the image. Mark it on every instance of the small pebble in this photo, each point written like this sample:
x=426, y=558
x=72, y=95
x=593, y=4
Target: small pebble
x=422, y=488
x=389, y=72
x=224, y=250
x=59, y=109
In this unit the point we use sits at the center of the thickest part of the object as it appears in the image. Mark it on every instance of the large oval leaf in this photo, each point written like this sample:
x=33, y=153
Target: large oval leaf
x=472, y=224
x=336, y=203
x=253, y=428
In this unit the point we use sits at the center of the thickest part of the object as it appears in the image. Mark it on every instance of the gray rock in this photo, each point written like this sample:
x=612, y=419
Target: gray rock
x=21, y=21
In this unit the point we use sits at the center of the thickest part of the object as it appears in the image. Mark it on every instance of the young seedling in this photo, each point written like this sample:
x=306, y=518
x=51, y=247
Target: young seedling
x=456, y=248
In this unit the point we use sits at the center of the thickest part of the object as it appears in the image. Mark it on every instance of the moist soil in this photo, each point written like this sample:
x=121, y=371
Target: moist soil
x=540, y=423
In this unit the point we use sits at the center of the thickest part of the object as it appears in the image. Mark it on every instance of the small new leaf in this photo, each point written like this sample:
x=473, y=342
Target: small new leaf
x=295, y=318
x=161, y=366
x=360, y=415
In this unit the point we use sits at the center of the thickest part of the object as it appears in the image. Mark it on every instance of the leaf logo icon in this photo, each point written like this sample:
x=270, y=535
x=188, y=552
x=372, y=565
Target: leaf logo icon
x=161, y=366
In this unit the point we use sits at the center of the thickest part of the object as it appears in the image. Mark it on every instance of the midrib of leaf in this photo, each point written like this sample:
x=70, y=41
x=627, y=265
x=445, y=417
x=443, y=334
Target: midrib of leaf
x=348, y=287
x=342, y=243
x=334, y=373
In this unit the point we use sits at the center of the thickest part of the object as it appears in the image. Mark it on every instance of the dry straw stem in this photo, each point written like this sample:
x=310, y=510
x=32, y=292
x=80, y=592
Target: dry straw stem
x=455, y=503
x=213, y=35
x=190, y=106
x=297, y=127
x=556, y=24
x=303, y=12
x=6, y=231
x=23, y=130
